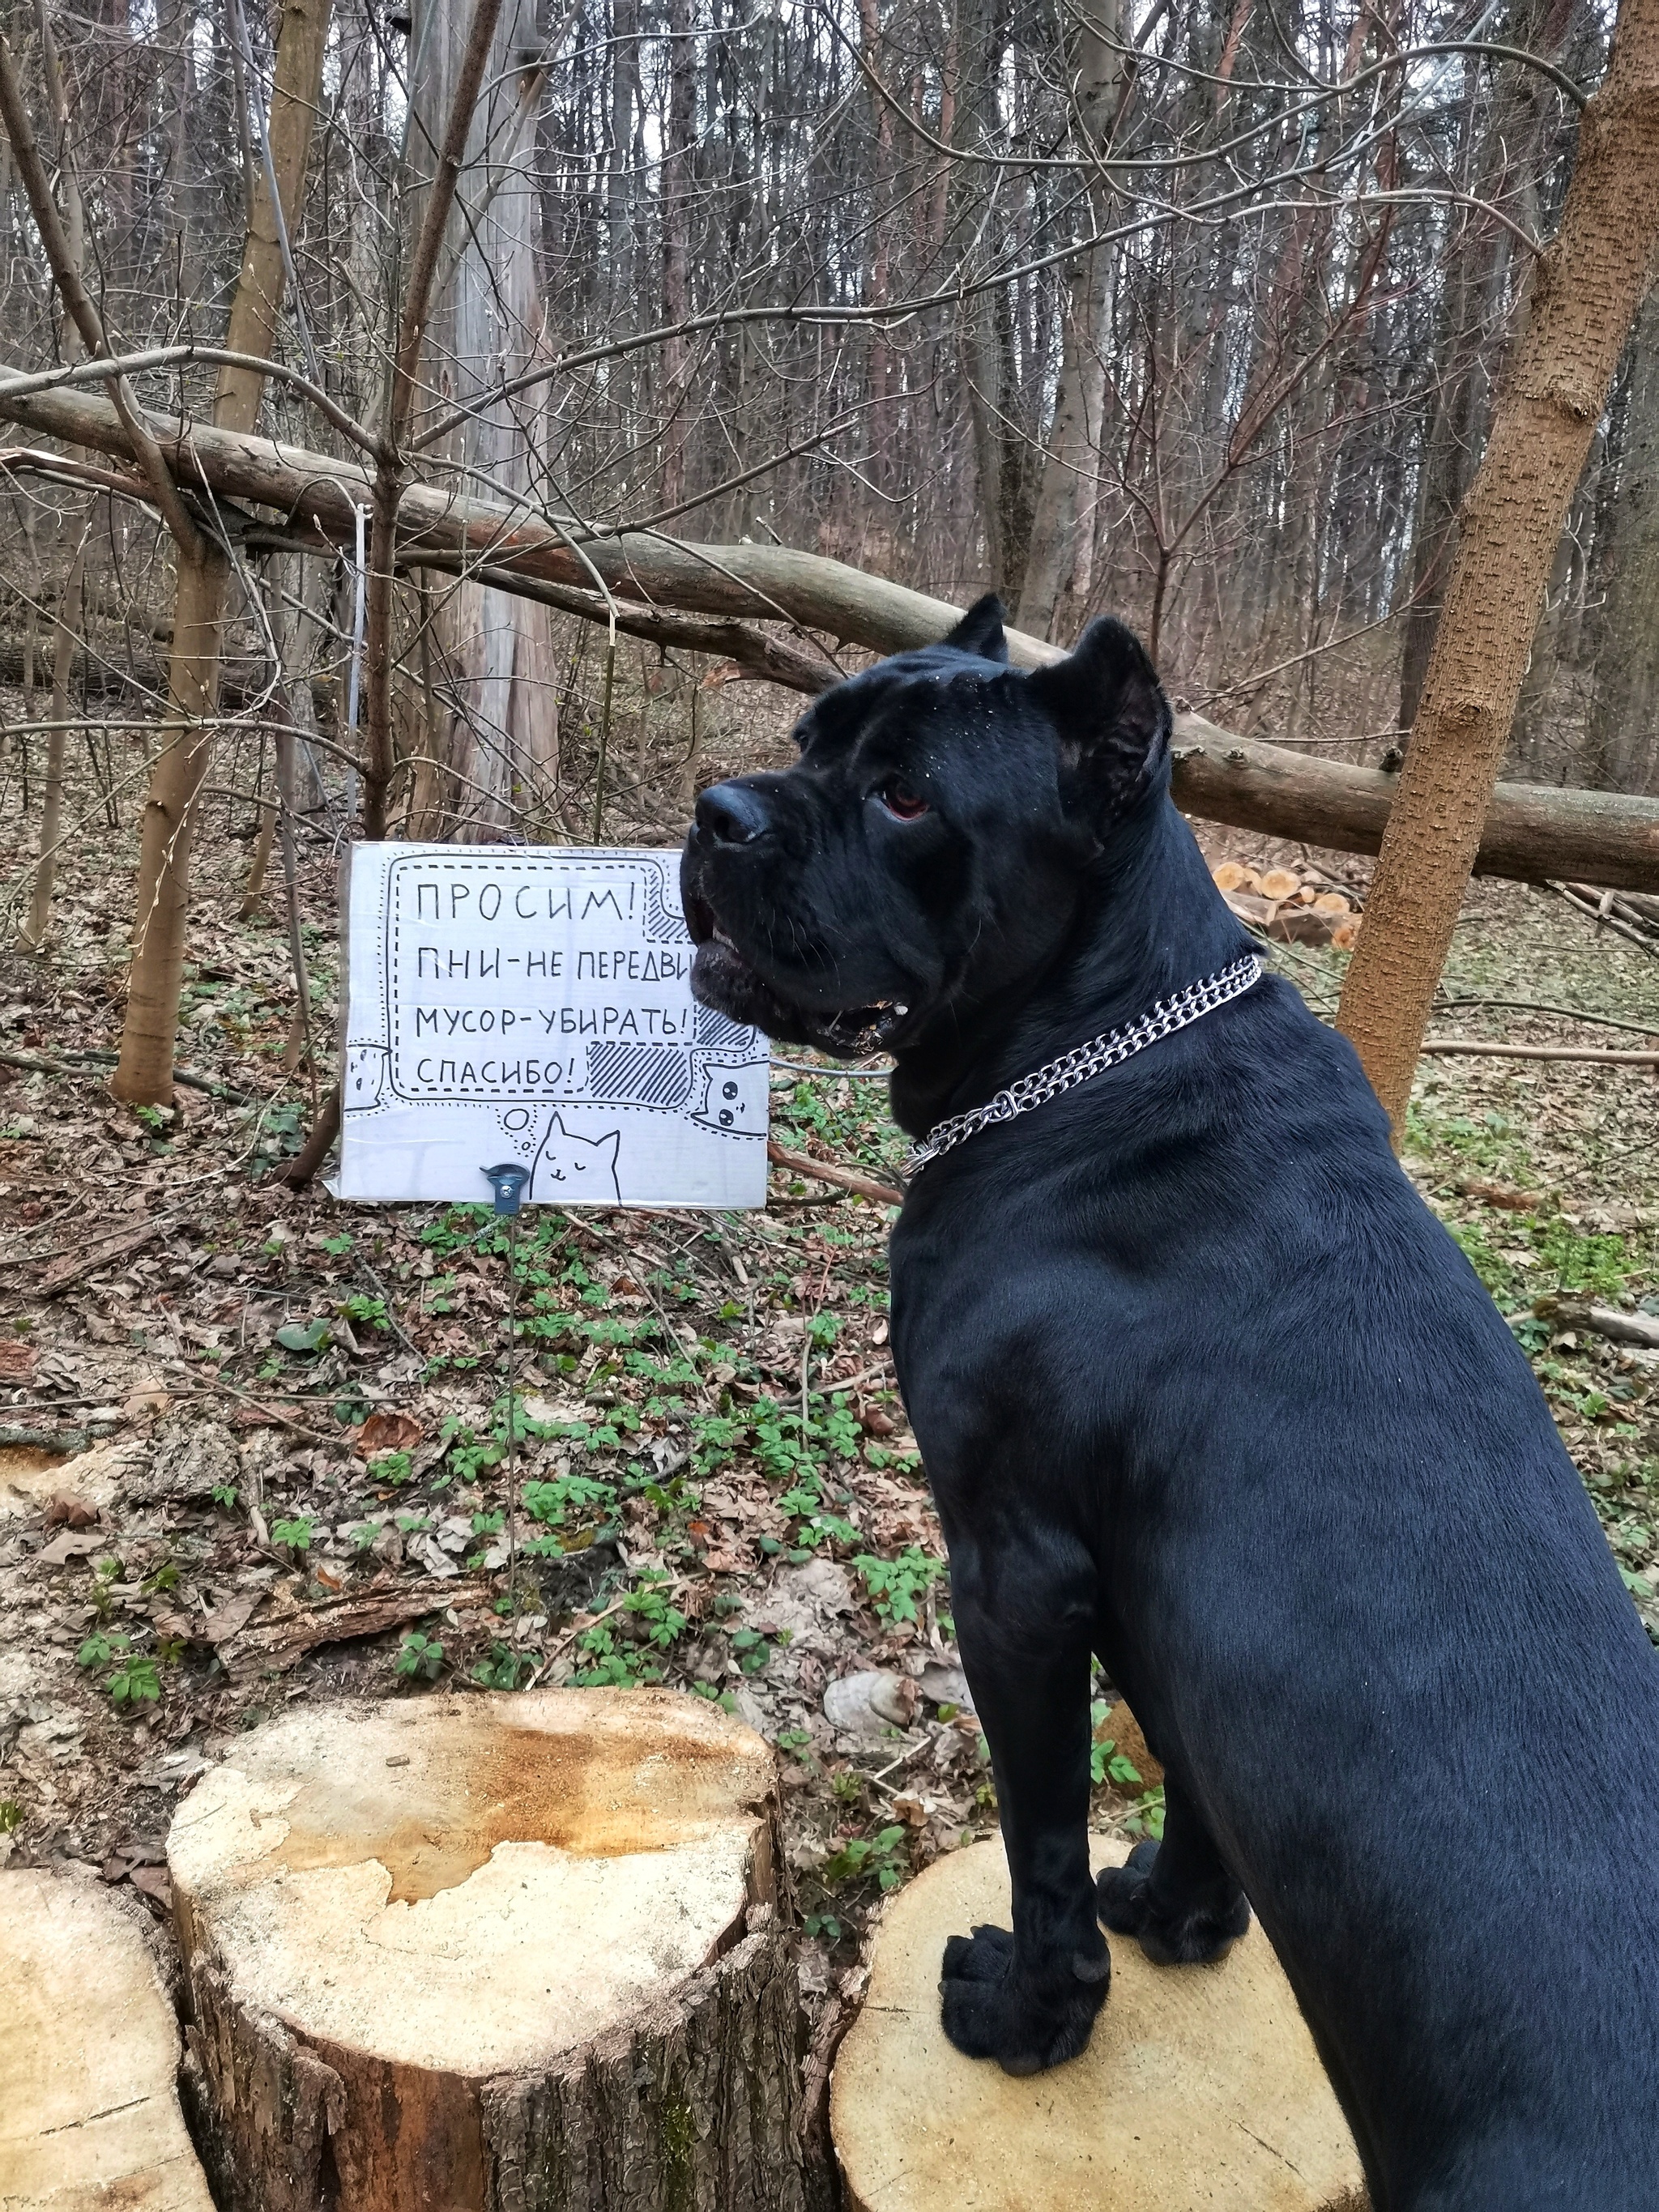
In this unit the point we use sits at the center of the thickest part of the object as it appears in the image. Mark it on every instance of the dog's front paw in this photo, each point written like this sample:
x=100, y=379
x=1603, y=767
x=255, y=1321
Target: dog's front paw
x=1185, y=1938
x=992, y=2009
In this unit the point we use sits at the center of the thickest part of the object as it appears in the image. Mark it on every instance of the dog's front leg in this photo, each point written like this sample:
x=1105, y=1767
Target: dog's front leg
x=1028, y=1999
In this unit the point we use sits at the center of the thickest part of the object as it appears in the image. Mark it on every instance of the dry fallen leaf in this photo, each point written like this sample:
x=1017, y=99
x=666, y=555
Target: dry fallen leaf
x=152, y=1880
x=17, y=1359
x=229, y=1620
x=67, y=1510
x=389, y=1433
x=73, y=1544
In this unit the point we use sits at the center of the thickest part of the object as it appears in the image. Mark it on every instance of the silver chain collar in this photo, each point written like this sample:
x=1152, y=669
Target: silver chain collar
x=1085, y=1060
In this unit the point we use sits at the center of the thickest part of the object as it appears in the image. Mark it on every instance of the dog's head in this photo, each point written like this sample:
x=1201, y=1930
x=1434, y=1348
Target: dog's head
x=933, y=840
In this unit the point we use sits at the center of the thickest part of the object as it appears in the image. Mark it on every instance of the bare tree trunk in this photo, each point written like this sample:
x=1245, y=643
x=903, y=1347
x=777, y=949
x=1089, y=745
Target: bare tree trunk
x=677, y=186
x=148, y=1039
x=978, y=49
x=1586, y=290
x=1624, y=716
x=52, y=799
x=71, y=591
x=1097, y=82
x=498, y=727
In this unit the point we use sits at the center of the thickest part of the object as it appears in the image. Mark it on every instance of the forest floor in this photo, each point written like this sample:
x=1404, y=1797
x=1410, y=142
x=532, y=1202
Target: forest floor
x=253, y=1443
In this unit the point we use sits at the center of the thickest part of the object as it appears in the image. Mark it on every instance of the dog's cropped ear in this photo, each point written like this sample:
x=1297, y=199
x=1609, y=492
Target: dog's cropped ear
x=979, y=630
x=1108, y=707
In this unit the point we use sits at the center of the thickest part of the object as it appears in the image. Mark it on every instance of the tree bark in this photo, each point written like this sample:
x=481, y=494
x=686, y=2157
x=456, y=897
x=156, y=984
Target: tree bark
x=1532, y=833
x=1074, y=434
x=497, y=724
x=144, y=1073
x=51, y=794
x=1586, y=291
x=1623, y=733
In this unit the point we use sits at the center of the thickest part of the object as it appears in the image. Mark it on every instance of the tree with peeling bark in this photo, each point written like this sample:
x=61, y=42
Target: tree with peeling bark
x=496, y=727
x=1585, y=292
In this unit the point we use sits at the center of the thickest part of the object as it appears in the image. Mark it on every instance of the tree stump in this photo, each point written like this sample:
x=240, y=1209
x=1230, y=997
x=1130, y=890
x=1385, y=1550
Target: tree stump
x=1201, y=2085
x=493, y=1954
x=89, y=2115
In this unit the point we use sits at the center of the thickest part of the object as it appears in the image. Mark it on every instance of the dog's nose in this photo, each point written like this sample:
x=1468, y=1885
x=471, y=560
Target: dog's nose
x=732, y=813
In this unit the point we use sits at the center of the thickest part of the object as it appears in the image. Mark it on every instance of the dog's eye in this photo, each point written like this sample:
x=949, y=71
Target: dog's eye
x=901, y=801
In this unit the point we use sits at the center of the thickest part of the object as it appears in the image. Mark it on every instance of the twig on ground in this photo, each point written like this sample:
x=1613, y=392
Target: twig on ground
x=1602, y=1321
x=1598, y=1055
x=1541, y=1006
x=278, y=1420
x=34, y=1066
x=883, y=1193
x=864, y=1375
x=53, y=1440
x=385, y=1296
x=106, y=1251
x=1599, y=906
x=570, y=1636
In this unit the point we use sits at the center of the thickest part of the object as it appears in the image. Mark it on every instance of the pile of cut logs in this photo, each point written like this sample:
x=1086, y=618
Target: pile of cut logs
x=1291, y=911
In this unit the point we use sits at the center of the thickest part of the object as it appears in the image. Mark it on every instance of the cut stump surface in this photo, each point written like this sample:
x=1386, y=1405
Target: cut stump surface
x=448, y=1954
x=89, y=2116
x=1201, y=2087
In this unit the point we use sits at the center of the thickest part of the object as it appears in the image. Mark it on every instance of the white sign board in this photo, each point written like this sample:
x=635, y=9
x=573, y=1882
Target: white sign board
x=534, y=1003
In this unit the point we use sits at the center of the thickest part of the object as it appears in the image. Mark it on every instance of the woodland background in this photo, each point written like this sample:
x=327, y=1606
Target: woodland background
x=1196, y=313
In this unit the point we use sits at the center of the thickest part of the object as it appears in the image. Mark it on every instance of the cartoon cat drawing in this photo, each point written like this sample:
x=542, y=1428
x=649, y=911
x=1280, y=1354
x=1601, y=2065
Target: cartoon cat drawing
x=366, y=1074
x=571, y=1170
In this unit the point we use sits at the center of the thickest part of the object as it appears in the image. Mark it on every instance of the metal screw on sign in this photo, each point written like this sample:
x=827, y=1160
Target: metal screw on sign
x=508, y=1182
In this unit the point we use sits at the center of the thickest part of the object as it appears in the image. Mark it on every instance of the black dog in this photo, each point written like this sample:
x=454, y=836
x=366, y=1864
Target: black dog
x=1202, y=1385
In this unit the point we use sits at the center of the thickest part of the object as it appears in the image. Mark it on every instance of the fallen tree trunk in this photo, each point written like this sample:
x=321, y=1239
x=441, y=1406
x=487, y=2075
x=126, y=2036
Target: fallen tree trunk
x=1533, y=833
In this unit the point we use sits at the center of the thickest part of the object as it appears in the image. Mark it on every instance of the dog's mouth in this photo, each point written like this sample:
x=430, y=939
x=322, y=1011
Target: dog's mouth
x=723, y=977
